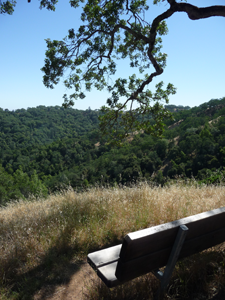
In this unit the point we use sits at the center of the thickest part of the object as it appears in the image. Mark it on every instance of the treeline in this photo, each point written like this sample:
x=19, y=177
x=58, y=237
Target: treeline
x=33, y=142
x=193, y=145
x=43, y=125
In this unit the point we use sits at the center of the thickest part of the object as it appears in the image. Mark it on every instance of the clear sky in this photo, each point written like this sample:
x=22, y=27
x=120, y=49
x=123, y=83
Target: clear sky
x=195, y=64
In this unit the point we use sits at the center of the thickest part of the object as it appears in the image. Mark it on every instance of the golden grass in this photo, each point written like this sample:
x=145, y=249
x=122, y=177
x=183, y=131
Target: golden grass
x=34, y=233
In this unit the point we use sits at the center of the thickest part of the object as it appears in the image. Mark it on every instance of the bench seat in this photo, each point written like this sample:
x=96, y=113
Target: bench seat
x=105, y=263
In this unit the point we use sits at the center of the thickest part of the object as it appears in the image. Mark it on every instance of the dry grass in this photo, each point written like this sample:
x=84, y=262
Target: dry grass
x=38, y=237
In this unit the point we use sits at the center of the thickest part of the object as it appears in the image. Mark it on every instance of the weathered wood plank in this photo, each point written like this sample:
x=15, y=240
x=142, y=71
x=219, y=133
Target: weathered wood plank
x=107, y=275
x=127, y=270
x=159, y=237
x=103, y=257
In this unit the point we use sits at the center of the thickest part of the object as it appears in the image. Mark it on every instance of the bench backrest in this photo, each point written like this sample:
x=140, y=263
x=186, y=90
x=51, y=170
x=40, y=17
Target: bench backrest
x=148, y=249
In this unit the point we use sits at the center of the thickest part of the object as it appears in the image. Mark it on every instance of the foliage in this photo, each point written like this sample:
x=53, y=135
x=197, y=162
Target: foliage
x=43, y=125
x=7, y=7
x=24, y=139
x=114, y=30
x=111, y=31
x=42, y=150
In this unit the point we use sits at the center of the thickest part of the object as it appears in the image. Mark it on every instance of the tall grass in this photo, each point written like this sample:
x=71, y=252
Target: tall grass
x=36, y=234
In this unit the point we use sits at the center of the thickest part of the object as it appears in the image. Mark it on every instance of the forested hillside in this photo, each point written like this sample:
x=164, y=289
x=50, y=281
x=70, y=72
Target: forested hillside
x=43, y=125
x=46, y=148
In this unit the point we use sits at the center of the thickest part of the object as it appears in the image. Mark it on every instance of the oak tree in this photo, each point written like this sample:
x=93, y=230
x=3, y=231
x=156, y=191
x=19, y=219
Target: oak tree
x=114, y=30
x=7, y=7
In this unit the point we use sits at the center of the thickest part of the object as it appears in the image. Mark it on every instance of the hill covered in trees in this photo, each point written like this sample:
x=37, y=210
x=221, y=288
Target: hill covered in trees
x=43, y=125
x=46, y=148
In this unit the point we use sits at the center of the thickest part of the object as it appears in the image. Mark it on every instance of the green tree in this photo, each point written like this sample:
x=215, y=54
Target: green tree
x=6, y=186
x=205, y=133
x=7, y=7
x=115, y=30
x=21, y=183
x=37, y=188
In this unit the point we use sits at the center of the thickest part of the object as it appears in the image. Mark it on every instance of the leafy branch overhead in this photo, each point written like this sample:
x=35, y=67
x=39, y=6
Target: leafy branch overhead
x=7, y=7
x=114, y=30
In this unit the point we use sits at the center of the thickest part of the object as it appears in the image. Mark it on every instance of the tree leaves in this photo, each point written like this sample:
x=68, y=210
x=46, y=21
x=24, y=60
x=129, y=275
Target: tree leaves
x=114, y=30
x=7, y=7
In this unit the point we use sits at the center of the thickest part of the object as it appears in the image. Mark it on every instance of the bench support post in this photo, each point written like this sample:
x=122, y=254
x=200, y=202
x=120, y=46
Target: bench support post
x=165, y=277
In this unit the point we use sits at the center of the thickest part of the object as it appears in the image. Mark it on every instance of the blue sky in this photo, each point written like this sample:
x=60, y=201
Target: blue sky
x=195, y=64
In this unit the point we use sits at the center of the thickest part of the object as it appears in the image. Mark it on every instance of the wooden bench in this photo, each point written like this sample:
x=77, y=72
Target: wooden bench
x=149, y=249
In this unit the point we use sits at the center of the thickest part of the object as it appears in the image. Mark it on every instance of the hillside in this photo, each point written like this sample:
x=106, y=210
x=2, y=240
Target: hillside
x=43, y=125
x=46, y=148
x=44, y=243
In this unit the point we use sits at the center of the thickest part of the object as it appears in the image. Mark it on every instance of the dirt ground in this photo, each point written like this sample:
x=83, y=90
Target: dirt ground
x=81, y=277
x=75, y=289
x=72, y=290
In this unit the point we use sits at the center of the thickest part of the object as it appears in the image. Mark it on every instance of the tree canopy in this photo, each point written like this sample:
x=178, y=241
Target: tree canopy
x=7, y=7
x=45, y=149
x=114, y=30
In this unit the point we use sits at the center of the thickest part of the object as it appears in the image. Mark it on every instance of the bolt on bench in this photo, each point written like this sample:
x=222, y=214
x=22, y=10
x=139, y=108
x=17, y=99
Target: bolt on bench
x=149, y=249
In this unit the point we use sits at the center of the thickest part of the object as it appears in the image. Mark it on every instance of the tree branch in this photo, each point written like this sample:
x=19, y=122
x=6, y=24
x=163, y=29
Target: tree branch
x=196, y=13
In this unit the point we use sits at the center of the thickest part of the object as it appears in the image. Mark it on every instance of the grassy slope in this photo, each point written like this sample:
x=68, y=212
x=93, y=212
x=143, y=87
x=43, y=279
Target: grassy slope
x=38, y=239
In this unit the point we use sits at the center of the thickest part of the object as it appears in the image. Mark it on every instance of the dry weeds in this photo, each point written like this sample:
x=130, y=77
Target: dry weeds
x=37, y=235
